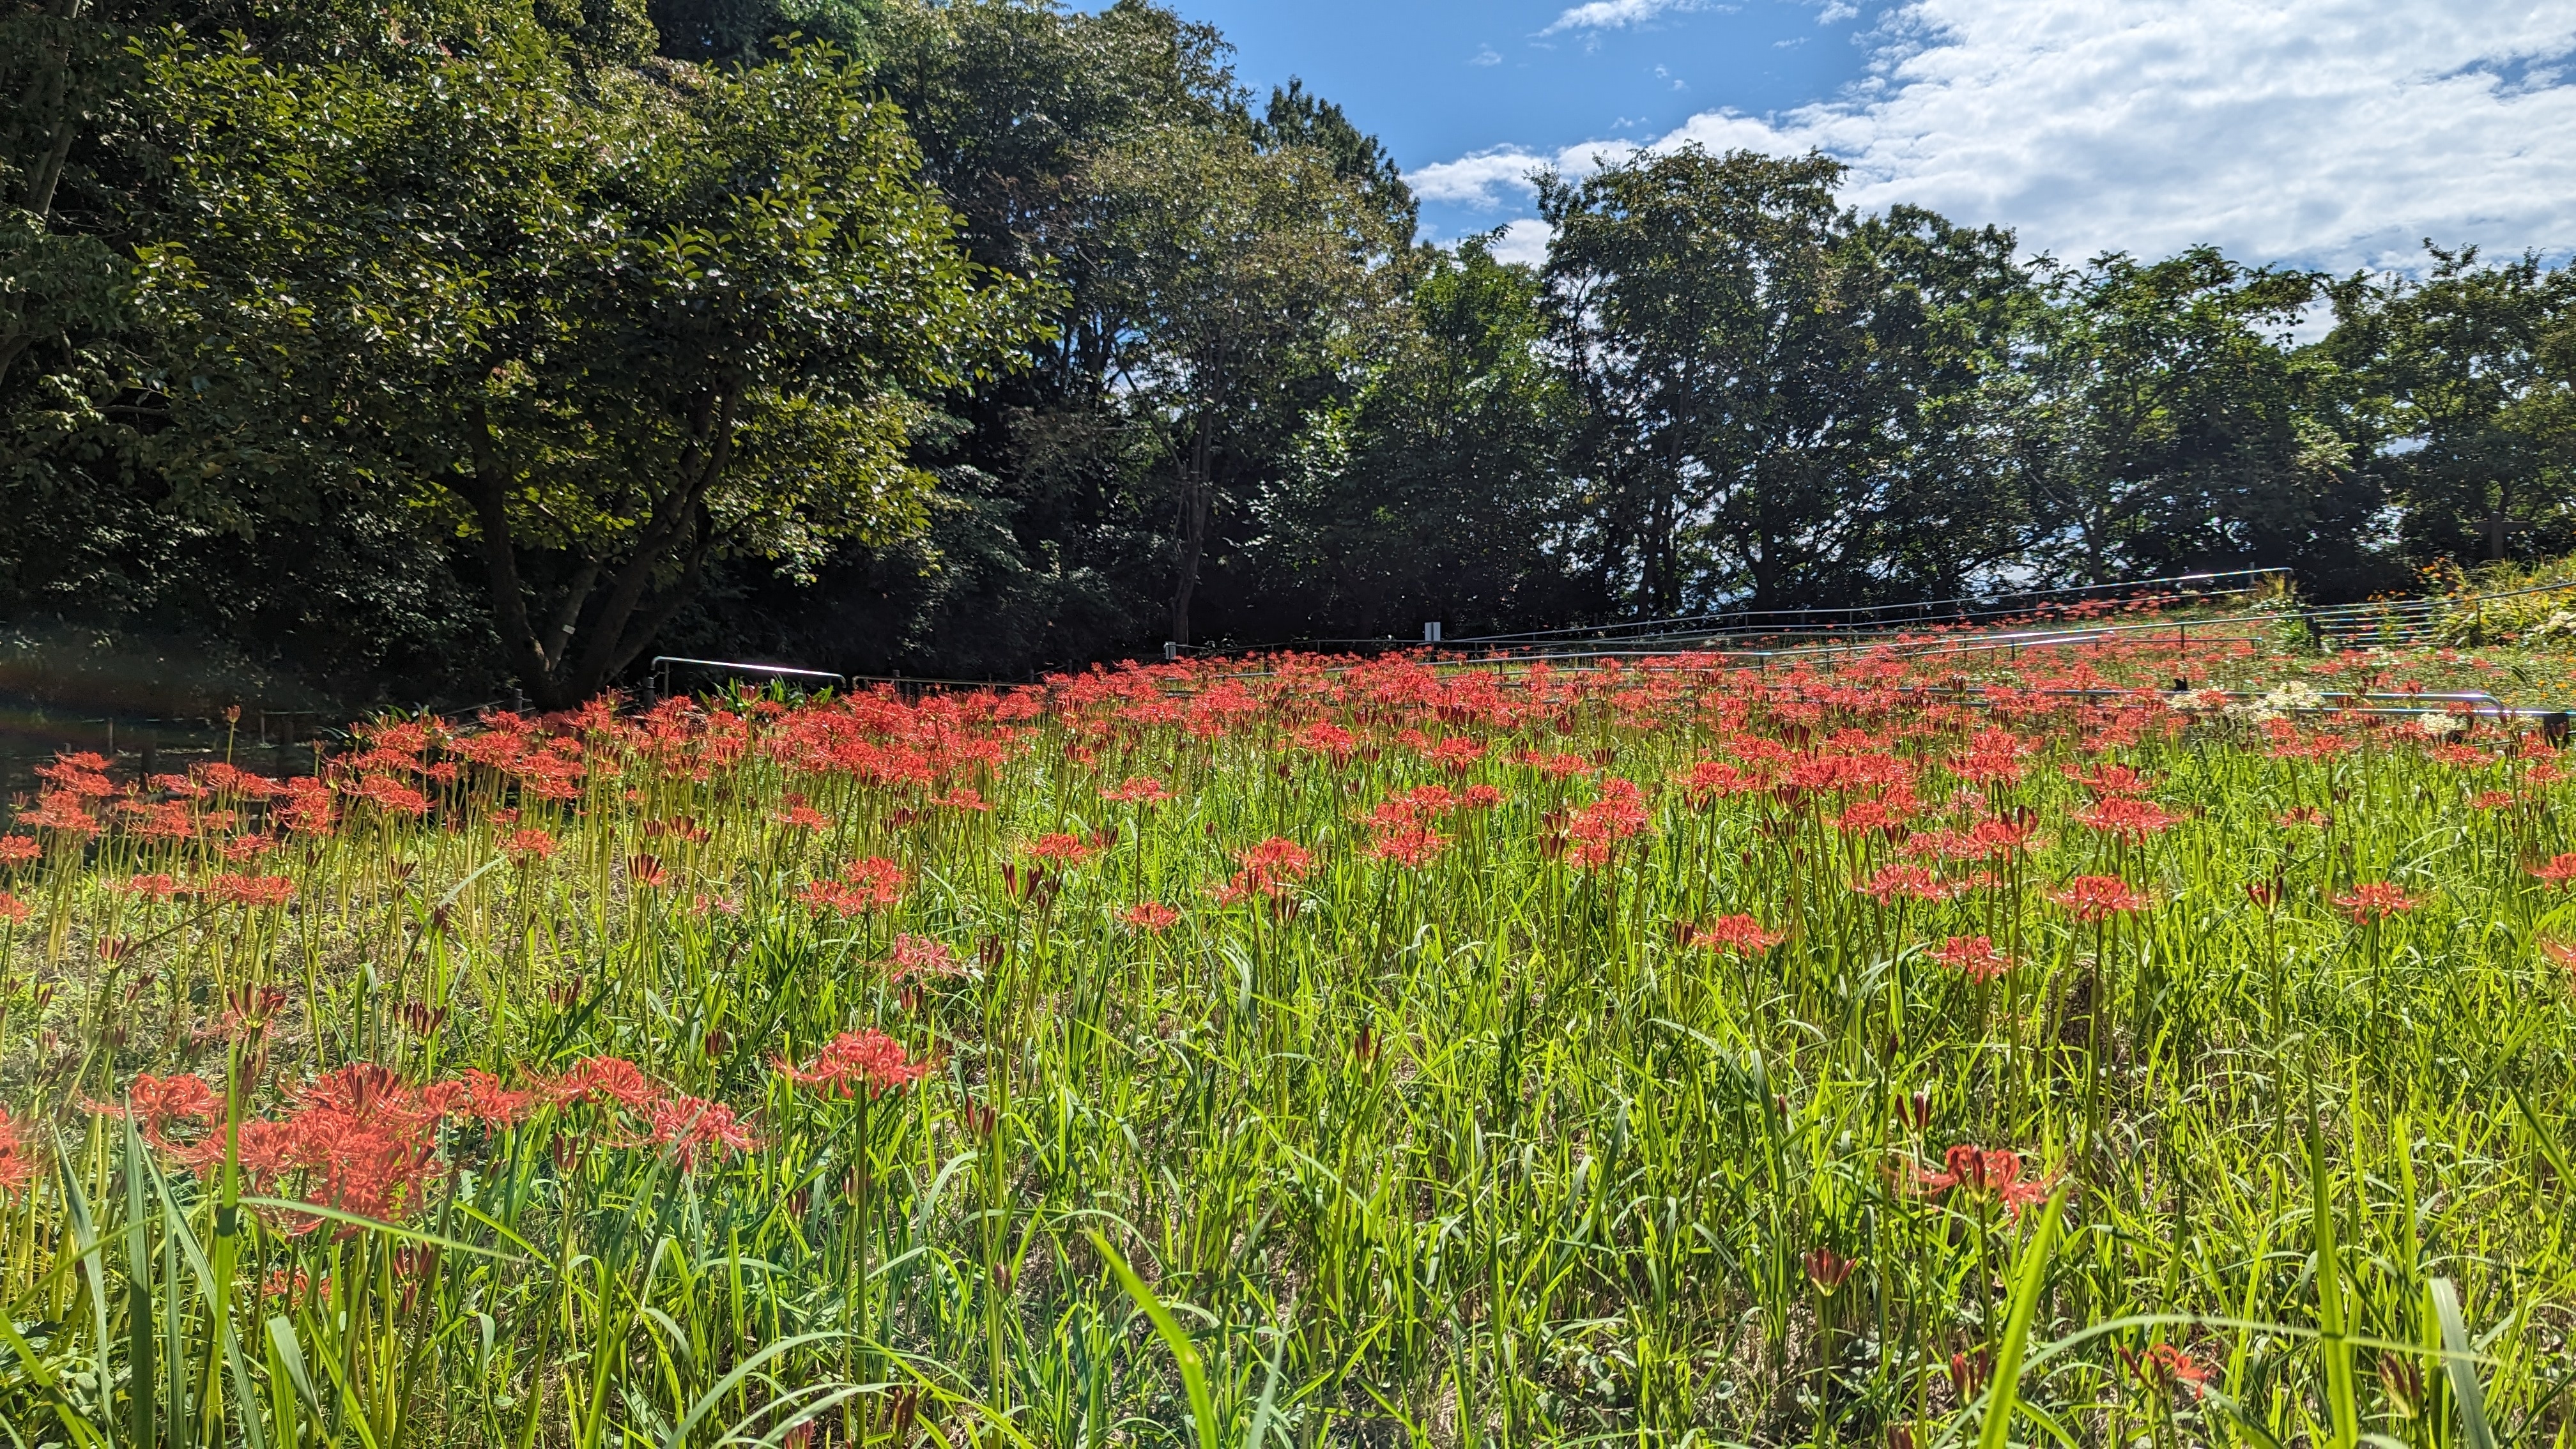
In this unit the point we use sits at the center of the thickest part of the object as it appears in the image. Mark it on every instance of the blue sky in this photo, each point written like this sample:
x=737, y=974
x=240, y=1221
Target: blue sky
x=2333, y=133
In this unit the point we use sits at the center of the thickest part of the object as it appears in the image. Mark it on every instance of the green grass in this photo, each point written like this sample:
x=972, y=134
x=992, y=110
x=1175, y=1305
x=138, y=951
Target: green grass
x=1480, y=1151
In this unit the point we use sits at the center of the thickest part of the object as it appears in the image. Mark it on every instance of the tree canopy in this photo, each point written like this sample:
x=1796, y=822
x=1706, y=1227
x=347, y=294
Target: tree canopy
x=428, y=350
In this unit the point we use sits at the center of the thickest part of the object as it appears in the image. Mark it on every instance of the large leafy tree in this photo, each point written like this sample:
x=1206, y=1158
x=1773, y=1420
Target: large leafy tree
x=2466, y=383
x=2170, y=427
x=607, y=323
x=1759, y=365
x=1434, y=491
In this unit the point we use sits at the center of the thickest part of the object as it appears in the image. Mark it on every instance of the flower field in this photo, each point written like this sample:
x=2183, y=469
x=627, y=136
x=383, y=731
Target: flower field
x=1889, y=1051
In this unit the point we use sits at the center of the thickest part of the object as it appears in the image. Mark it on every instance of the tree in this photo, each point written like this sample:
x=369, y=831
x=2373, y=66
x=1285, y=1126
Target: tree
x=1434, y=491
x=2169, y=428
x=1759, y=365
x=607, y=324
x=1230, y=266
x=2469, y=377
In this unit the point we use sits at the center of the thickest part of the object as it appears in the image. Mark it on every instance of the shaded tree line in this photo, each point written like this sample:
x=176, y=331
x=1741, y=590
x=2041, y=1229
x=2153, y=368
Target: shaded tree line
x=436, y=348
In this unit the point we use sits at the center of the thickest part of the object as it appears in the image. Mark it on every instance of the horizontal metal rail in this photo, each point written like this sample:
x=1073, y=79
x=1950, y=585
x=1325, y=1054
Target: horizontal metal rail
x=661, y=669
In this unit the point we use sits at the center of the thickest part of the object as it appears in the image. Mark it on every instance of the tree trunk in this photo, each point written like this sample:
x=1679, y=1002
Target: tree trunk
x=1197, y=501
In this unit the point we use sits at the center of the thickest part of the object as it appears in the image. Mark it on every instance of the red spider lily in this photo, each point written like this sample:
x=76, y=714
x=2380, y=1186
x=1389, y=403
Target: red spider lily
x=1329, y=740
x=2491, y=800
x=1151, y=916
x=2561, y=952
x=242, y=849
x=308, y=809
x=2003, y=837
x=863, y=886
x=1974, y=957
x=606, y=1081
x=17, y=1168
x=14, y=911
x=1982, y=1173
x=1268, y=869
x=1598, y=828
x=1883, y=816
x=1413, y=847
x=2162, y=1368
x=2375, y=901
x=1906, y=882
x=1060, y=850
x=2110, y=780
x=962, y=797
x=1480, y=797
x=857, y=1061
x=1733, y=933
x=922, y=956
x=150, y=887
x=160, y=1104
x=480, y=1097
x=1559, y=766
x=802, y=817
x=1456, y=753
x=1142, y=790
x=1713, y=780
x=1828, y=1270
x=250, y=890
x=531, y=845
x=2096, y=898
x=693, y=1126
x=2128, y=817
x=2307, y=816
x=19, y=849
x=391, y=796
x=60, y=812
x=644, y=872
x=2557, y=871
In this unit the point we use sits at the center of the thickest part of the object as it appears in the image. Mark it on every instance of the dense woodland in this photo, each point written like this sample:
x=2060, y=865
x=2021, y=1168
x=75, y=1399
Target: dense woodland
x=412, y=351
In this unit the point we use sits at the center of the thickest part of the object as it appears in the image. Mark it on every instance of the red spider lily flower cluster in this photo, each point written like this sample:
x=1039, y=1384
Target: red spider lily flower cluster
x=14, y=911
x=2127, y=817
x=1974, y=957
x=1741, y=934
x=1270, y=869
x=2375, y=901
x=1893, y=883
x=1400, y=828
x=2093, y=899
x=801, y=816
x=531, y=845
x=917, y=956
x=17, y=1167
x=2558, y=870
x=2161, y=1368
x=17, y=850
x=1142, y=790
x=1597, y=829
x=862, y=886
x=1150, y=916
x=250, y=890
x=1983, y=1174
x=1060, y=850
x=857, y=1062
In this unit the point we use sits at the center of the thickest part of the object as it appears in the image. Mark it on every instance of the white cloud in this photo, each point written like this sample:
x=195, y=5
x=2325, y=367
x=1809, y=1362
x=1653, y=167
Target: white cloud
x=1615, y=14
x=1487, y=178
x=2326, y=132
x=1524, y=241
x=1486, y=55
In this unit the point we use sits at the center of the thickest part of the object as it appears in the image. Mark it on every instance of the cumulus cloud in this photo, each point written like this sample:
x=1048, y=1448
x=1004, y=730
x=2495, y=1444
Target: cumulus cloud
x=1615, y=14
x=2334, y=133
x=1523, y=241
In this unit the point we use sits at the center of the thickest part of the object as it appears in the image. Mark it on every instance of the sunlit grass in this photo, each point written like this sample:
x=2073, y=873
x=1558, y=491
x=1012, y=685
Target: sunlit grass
x=1376, y=1055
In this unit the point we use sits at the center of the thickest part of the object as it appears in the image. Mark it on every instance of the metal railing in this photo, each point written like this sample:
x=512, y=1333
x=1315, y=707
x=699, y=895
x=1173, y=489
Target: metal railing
x=660, y=671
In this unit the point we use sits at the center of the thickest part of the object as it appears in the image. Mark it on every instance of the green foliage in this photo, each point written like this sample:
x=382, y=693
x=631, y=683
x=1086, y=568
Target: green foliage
x=608, y=325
